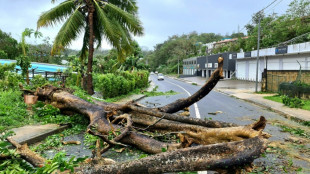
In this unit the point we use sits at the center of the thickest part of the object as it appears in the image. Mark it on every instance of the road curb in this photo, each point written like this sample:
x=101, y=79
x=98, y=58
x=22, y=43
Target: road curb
x=36, y=137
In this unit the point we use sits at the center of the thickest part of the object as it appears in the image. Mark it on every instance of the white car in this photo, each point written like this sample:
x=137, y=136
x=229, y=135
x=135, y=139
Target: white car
x=160, y=76
x=152, y=73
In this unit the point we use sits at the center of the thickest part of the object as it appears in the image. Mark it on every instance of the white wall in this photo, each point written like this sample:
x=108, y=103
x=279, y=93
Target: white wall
x=279, y=62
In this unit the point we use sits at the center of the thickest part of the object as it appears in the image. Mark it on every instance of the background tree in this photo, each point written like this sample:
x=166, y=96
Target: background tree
x=23, y=60
x=9, y=46
x=116, y=21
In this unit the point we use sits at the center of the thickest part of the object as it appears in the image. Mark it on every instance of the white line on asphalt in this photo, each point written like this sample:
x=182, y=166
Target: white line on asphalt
x=197, y=114
x=189, y=94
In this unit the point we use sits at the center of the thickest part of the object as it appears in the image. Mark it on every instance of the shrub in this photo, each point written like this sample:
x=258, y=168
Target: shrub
x=10, y=80
x=38, y=81
x=6, y=67
x=13, y=111
x=112, y=85
x=293, y=102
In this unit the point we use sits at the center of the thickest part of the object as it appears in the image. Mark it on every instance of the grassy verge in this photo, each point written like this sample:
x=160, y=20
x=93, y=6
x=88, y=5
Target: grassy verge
x=278, y=98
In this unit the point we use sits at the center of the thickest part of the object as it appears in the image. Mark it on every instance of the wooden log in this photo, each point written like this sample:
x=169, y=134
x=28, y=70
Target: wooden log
x=199, y=158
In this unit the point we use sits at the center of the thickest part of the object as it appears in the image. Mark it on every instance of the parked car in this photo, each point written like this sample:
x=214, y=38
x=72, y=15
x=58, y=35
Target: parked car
x=152, y=73
x=160, y=76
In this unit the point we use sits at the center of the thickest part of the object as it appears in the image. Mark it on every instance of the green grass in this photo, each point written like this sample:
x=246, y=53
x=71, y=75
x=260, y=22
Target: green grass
x=155, y=93
x=13, y=110
x=278, y=98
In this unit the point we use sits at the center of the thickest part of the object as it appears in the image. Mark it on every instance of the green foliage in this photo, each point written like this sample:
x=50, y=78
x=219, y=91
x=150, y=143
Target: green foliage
x=6, y=67
x=60, y=162
x=9, y=46
x=10, y=81
x=304, y=104
x=3, y=55
x=24, y=63
x=90, y=140
x=295, y=131
x=112, y=85
x=154, y=93
x=82, y=94
x=14, y=164
x=38, y=81
x=12, y=110
x=293, y=102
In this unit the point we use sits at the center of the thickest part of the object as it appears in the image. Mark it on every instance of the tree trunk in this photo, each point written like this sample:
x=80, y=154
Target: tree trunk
x=183, y=103
x=200, y=158
x=91, y=10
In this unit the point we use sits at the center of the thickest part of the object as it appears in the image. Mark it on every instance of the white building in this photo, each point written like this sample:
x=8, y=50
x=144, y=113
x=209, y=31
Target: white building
x=277, y=58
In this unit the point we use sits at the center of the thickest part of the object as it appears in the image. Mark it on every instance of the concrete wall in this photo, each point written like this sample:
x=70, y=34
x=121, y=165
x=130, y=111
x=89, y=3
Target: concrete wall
x=275, y=77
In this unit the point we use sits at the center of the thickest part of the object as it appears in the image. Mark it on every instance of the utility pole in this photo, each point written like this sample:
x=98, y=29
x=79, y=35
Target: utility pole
x=257, y=59
x=207, y=67
x=178, y=67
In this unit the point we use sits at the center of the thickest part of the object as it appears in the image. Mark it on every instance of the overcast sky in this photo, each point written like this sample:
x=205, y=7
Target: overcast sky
x=160, y=18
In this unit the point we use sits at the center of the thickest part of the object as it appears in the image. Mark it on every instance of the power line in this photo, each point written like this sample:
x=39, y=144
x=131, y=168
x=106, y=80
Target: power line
x=260, y=12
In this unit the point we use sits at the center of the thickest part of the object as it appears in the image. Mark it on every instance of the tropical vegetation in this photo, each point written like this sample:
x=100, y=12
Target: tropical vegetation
x=116, y=21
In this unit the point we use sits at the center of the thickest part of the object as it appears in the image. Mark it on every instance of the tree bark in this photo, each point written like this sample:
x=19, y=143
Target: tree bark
x=98, y=119
x=33, y=158
x=202, y=92
x=199, y=158
x=91, y=10
x=239, y=145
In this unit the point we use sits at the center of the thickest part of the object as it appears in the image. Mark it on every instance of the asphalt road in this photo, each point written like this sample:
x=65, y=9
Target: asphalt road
x=231, y=110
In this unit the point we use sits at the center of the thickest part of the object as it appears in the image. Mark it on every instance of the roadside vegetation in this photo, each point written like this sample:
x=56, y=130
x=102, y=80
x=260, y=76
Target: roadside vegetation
x=293, y=102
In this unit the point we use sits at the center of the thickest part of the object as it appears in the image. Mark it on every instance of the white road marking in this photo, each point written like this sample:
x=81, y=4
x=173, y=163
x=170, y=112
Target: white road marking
x=189, y=94
x=197, y=115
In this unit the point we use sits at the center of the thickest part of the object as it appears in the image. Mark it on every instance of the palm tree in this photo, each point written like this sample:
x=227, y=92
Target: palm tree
x=113, y=20
x=23, y=61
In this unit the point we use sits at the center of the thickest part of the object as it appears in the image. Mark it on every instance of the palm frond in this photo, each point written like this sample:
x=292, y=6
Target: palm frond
x=106, y=26
x=126, y=5
x=127, y=19
x=56, y=14
x=70, y=30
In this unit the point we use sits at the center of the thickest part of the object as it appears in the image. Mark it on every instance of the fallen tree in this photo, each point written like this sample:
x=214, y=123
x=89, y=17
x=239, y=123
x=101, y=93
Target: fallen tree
x=220, y=145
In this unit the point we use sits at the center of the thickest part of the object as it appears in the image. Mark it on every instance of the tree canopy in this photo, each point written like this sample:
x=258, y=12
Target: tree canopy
x=9, y=48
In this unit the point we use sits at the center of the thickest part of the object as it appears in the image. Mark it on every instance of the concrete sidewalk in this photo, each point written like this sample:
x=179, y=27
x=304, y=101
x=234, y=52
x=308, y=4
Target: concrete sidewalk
x=245, y=90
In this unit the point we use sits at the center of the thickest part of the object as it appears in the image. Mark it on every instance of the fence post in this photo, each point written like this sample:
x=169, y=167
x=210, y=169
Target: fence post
x=46, y=75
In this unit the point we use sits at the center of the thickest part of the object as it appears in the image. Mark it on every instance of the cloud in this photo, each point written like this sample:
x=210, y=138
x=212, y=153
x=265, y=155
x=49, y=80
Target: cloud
x=160, y=18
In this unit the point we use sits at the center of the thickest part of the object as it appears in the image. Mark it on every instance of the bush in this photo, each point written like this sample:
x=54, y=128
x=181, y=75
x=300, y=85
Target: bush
x=13, y=111
x=10, y=80
x=38, y=81
x=112, y=85
x=6, y=67
x=293, y=102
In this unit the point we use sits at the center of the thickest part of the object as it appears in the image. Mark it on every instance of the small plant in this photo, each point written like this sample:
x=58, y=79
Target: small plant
x=195, y=84
x=38, y=81
x=293, y=102
x=60, y=162
x=296, y=131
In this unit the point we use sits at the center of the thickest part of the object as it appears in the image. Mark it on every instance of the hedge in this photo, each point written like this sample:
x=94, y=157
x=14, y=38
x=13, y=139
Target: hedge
x=112, y=85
